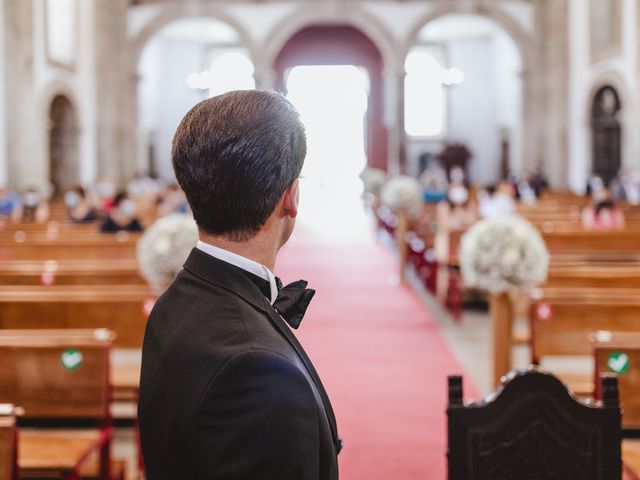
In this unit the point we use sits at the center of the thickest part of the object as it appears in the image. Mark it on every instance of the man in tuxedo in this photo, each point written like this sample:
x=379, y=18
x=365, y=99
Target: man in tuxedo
x=226, y=390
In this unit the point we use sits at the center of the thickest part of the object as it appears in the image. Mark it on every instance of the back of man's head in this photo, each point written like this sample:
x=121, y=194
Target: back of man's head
x=234, y=156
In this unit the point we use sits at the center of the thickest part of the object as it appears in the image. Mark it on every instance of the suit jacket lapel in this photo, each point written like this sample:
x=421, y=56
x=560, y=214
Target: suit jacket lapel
x=281, y=325
x=227, y=276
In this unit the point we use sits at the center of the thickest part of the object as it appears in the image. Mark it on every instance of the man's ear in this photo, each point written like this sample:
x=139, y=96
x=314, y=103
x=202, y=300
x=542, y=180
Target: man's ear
x=290, y=200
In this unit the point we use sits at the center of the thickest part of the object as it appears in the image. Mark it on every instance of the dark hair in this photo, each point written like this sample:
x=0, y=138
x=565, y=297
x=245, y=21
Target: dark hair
x=119, y=198
x=80, y=191
x=234, y=156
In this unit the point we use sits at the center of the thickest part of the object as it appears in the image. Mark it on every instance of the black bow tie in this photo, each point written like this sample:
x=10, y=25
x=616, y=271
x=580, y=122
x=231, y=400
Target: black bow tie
x=293, y=300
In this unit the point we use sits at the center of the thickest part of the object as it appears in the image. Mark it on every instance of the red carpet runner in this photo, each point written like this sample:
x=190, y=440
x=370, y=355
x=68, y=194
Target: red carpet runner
x=381, y=357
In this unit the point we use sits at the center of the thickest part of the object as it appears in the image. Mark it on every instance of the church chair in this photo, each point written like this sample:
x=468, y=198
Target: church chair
x=533, y=428
x=60, y=379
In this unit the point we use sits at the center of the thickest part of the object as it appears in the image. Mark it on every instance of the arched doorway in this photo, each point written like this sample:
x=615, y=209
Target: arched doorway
x=184, y=62
x=63, y=145
x=463, y=85
x=342, y=45
x=606, y=133
x=333, y=74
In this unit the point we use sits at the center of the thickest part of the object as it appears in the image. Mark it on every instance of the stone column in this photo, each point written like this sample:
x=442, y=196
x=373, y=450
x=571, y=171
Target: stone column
x=19, y=87
x=552, y=87
x=394, y=119
x=115, y=156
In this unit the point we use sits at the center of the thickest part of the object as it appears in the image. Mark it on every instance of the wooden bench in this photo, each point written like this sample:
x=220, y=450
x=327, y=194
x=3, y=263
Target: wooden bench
x=121, y=308
x=59, y=378
x=564, y=320
x=70, y=272
x=107, y=247
x=619, y=353
x=593, y=274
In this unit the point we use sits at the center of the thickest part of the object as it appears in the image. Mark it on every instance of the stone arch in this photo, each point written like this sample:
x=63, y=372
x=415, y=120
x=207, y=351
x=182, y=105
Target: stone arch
x=522, y=40
x=325, y=14
x=178, y=11
x=615, y=81
x=137, y=42
x=62, y=141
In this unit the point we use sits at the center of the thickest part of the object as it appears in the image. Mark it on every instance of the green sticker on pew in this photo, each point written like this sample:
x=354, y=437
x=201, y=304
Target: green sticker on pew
x=71, y=359
x=618, y=362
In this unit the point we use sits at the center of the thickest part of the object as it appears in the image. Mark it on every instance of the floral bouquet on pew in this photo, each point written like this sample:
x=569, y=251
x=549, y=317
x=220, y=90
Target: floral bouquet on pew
x=373, y=180
x=163, y=249
x=503, y=254
x=403, y=194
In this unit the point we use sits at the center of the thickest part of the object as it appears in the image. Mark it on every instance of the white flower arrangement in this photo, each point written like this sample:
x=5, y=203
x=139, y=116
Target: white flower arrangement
x=164, y=247
x=503, y=254
x=373, y=179
x=403, y=194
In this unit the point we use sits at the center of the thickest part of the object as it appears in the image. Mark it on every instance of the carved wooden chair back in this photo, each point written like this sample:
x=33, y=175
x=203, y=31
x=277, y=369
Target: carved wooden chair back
x=533, y=428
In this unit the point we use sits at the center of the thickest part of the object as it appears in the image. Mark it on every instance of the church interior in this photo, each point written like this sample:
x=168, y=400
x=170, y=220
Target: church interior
x=470, y=220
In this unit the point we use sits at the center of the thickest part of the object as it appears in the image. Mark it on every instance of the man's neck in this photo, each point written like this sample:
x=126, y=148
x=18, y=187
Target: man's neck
x=262, y=248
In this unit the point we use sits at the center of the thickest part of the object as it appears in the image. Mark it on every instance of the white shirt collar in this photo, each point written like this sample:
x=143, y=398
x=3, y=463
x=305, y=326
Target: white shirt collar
x=242, y=262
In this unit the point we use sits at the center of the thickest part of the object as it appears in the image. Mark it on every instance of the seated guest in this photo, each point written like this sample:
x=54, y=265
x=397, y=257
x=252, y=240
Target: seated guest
x=34, y=206
x=79, y=208
x=122, y=216
x=172, y=200
x=458, y=212
x=497, y=202
x=602, y=214
x=10, y=205
x=103, y=195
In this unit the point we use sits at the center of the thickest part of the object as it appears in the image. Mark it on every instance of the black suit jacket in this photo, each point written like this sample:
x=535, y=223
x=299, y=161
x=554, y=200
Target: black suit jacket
x=226, y=390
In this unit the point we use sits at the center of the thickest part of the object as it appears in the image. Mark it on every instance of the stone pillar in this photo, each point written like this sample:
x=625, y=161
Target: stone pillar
x=115, y=156
x=394, y=119
x=19, y=99
x=552, y=87
x=3, y=100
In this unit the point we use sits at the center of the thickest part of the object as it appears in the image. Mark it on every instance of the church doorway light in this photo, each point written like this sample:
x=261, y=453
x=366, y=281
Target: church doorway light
x=332, y=101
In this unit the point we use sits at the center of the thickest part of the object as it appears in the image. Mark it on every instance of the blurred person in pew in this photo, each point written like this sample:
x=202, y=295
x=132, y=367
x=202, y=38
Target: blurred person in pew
x=495, y=202
x=226, y=389
x=458, y=212
x=103, y=195
x=10, y=205
x=79, y=207
x=602, y=214
x=35, y=208
x=172, y=200
x=122, y=216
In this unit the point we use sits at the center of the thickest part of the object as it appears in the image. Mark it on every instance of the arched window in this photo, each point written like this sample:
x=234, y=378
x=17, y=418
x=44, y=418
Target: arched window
x=425, y=102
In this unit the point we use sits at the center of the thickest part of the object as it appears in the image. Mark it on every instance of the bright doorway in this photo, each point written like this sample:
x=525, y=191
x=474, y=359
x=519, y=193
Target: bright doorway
x=332, y=100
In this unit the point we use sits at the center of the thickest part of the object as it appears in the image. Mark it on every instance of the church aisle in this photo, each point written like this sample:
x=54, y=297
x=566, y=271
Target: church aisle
x=381, y=357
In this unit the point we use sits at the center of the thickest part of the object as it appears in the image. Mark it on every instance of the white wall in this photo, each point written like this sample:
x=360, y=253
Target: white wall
x=473, y=107
x=164, y=95
x=489, y=100
x=4, y=168
x=620, y=71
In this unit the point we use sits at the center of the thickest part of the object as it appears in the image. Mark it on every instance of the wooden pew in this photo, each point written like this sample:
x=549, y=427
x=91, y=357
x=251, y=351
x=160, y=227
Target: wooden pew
x=619, y=352
x=563, y=319
x=107, y=247
x=70, y=272
x=121, y=308
x=592, y=242
x=58, y=377
x=593, y=274
x=8, y=447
